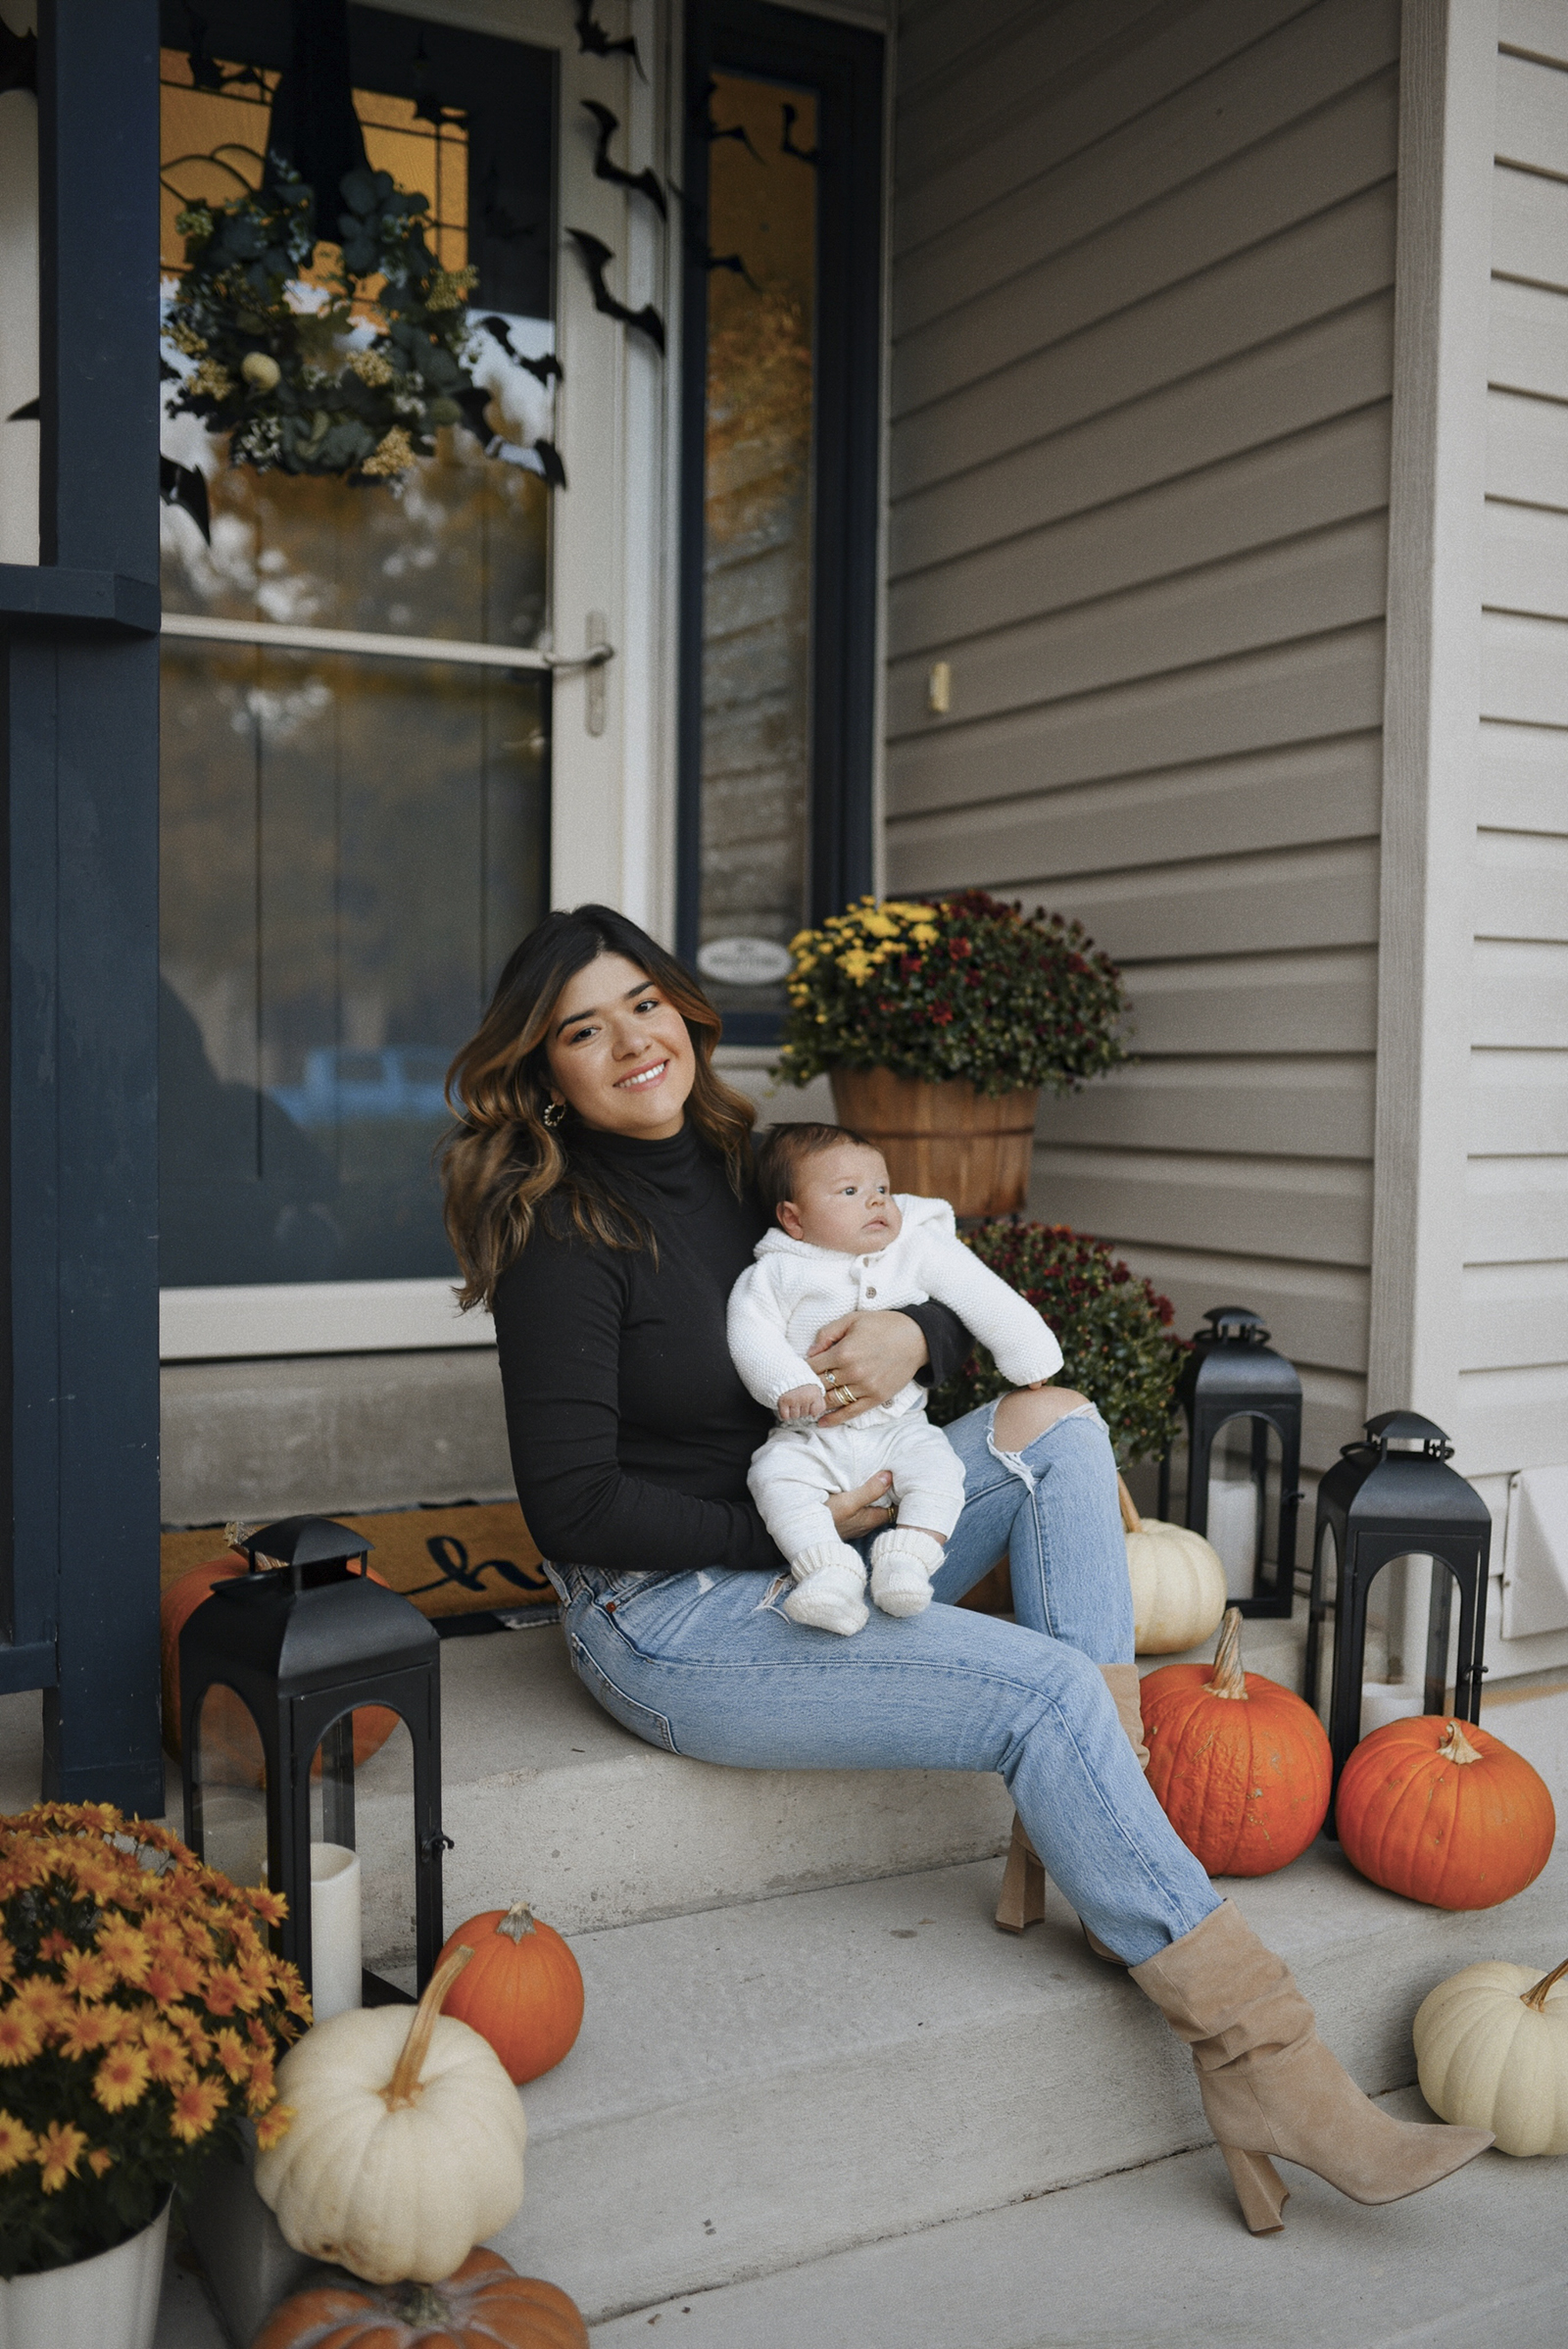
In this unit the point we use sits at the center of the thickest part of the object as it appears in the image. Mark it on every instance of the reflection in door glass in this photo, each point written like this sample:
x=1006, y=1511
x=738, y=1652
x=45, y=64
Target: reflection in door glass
x=757, y=551
x=351, y=845
x=351, y=850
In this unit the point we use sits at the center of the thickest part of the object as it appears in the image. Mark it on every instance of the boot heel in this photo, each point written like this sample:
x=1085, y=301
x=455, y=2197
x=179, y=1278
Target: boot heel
x=1023, y=1887
x=1259, y=2189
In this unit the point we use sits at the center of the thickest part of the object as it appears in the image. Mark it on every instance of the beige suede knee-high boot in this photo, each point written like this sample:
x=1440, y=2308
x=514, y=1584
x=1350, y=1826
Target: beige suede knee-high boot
x=1023, y=1883
x=1269, y=2086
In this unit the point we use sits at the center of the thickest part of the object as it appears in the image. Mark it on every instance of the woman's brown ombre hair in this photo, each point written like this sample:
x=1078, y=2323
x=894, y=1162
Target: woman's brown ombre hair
x=503, y=1161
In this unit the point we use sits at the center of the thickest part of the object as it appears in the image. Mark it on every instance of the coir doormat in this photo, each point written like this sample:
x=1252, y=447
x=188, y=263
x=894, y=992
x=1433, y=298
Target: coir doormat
x=476, y=1557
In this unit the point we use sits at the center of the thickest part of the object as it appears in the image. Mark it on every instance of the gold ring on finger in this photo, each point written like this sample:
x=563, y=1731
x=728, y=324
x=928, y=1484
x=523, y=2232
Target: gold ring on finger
x=847, y=1395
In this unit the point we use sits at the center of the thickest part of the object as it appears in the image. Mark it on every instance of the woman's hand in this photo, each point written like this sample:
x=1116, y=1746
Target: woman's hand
x=860, y=1510
x=873, y=1354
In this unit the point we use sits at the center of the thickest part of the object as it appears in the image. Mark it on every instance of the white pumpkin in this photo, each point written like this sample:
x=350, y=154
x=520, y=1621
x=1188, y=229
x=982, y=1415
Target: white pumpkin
x=1492, y=2052
x=1178, y=1583
x=407, y=2141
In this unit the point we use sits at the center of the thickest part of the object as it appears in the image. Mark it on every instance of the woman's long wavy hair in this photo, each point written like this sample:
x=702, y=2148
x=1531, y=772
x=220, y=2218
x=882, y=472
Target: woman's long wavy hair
x=502, y=1162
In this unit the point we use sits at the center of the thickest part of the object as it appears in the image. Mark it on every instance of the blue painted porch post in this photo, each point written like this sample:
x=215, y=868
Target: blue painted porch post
x=82, y=754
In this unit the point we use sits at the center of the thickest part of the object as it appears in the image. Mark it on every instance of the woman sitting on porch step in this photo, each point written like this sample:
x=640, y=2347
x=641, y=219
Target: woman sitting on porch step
x=600, y=1200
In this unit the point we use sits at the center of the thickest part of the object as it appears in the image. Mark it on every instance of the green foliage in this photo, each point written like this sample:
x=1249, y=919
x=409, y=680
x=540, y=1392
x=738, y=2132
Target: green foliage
x=1119, y=1348
x=966, y=986
x=316, y=399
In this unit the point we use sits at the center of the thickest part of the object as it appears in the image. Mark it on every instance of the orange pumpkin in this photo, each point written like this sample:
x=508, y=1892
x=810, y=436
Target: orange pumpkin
x=1443, y=1812
x=522, y=1991
x=1241, y=1765
x=485, y=2305
x=228, y=1726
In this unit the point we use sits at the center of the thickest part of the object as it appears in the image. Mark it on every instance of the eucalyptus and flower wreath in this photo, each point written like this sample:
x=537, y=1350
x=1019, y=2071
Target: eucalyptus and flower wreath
x=283, y=369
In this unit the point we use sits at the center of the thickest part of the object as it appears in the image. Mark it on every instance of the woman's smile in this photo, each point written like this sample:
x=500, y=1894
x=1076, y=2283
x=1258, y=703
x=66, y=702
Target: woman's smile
x=643, y=1076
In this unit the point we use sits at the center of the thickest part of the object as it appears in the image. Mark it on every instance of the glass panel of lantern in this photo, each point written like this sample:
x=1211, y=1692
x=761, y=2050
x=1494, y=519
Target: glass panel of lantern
x=294, y=1678
x=1240, y=1406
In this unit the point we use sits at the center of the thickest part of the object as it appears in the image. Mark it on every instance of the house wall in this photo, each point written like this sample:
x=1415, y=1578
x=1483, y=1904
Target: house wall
x=1513, y=1383
x=1143, y=331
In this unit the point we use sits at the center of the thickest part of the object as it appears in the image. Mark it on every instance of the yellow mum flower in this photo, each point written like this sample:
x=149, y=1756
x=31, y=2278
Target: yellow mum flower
x=196, y=2108
x=879, y=925
x=56, y=2153
x=393, y=453
x=121, y=2078
x=19, y=2036
x=100, y=2160
x=274, y=2126
x=16, y=2144
x=856, y=965
x=125, y=1950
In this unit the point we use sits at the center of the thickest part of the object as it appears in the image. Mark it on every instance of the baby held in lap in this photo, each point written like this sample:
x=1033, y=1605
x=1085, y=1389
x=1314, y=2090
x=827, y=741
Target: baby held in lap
x=847, y=1244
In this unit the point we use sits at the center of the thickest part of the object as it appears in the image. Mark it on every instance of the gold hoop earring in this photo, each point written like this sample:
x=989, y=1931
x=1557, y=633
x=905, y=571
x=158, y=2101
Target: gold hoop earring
x=551, y=1113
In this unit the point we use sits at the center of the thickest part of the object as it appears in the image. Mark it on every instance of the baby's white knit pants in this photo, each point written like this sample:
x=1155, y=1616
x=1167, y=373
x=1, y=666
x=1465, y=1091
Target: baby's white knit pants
x=801, y=1463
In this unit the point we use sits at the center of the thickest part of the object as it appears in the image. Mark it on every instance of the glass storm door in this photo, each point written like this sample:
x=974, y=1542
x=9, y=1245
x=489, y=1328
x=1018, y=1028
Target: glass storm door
x=355, y=776
x=782, y=305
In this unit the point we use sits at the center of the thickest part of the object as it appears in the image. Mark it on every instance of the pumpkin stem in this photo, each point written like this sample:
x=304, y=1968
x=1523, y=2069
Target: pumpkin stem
x=1455, y=1746
x=421, y=2304
x=1229, y=1677
x=517, y=1922
x=1132, y=1523
x=405, y=2085
x=1536, y=1998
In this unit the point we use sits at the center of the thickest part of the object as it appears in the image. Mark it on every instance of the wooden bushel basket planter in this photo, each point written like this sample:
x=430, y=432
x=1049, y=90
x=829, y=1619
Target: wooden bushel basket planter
x=944, y=1140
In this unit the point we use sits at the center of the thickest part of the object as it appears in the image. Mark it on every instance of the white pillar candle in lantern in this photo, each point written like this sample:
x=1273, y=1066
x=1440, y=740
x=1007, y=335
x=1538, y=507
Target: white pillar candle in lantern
x=335, y=1955
x=1232, y=1529
x=1383, y=1702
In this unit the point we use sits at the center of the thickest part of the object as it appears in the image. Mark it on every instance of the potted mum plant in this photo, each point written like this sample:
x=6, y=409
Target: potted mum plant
x=1114, y=1330
x=141, y=2015
x=940, y=1024
x=1117, y=1345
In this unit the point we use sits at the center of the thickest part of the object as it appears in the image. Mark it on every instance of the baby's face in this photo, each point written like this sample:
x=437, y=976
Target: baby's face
x=843, y=1200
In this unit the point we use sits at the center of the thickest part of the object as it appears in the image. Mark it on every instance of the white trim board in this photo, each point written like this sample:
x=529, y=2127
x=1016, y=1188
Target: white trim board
x=314, y=1317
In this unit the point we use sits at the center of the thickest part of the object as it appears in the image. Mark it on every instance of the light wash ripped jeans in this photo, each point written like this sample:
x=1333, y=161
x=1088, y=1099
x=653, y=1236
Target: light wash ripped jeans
x=707, y=1663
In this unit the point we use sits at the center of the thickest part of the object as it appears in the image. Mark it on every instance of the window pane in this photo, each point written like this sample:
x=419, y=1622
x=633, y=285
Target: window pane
x=351, y=849
x=756, y=554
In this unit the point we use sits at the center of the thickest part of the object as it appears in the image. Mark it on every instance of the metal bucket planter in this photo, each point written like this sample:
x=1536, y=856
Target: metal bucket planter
x=111, y=2300
x=944, y=1140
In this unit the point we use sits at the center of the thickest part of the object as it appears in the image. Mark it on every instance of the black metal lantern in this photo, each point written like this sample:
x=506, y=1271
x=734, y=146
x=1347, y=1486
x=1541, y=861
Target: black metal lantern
x=1234, y=1373
x=302, y=1640
x=1395, y=1496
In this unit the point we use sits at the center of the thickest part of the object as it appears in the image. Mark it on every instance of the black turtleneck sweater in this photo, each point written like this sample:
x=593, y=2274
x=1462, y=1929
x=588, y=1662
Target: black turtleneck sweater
x=630, y=1430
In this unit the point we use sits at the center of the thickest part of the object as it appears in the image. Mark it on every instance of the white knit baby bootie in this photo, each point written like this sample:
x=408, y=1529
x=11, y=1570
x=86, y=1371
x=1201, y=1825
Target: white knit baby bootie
x=902, y=1562
x=829, y=1589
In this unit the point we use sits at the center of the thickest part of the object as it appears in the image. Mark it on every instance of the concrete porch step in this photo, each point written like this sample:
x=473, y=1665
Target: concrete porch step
x=770, y=2083
x=1157, y=2255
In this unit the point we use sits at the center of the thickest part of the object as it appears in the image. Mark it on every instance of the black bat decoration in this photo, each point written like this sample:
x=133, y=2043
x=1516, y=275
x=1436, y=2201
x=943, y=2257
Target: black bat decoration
x=184, y=486
x=594, y=41
x=19, y=59
x=206, y=73
x=30, y=414
x=540, y=369
x=731, y=261
x=643, y=183
x=550, y=464
x=712, y=131
x=595, y=258
x=787, y=146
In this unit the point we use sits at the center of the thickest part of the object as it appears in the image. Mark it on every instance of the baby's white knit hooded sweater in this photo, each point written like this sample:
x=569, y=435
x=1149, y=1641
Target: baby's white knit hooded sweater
x=785, y=1296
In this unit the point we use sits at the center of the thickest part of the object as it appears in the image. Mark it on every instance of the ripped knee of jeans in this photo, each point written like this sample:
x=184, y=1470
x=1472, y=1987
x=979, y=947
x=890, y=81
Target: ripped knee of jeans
x=1016, y=1462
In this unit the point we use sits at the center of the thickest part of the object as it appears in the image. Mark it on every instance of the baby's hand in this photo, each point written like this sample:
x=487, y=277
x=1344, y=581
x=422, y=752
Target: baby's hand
x=801, y=1403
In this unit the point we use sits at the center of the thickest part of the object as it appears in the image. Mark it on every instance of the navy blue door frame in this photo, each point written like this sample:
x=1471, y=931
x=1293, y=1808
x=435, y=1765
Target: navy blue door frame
x=79, y=767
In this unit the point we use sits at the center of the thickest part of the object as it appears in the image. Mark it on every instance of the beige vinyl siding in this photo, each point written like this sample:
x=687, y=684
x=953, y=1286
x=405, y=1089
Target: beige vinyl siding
x=1515, y=1382
x=1143, y=308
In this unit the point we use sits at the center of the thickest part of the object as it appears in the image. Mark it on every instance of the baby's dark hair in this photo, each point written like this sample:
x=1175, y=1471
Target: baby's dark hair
x=783, y=1151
